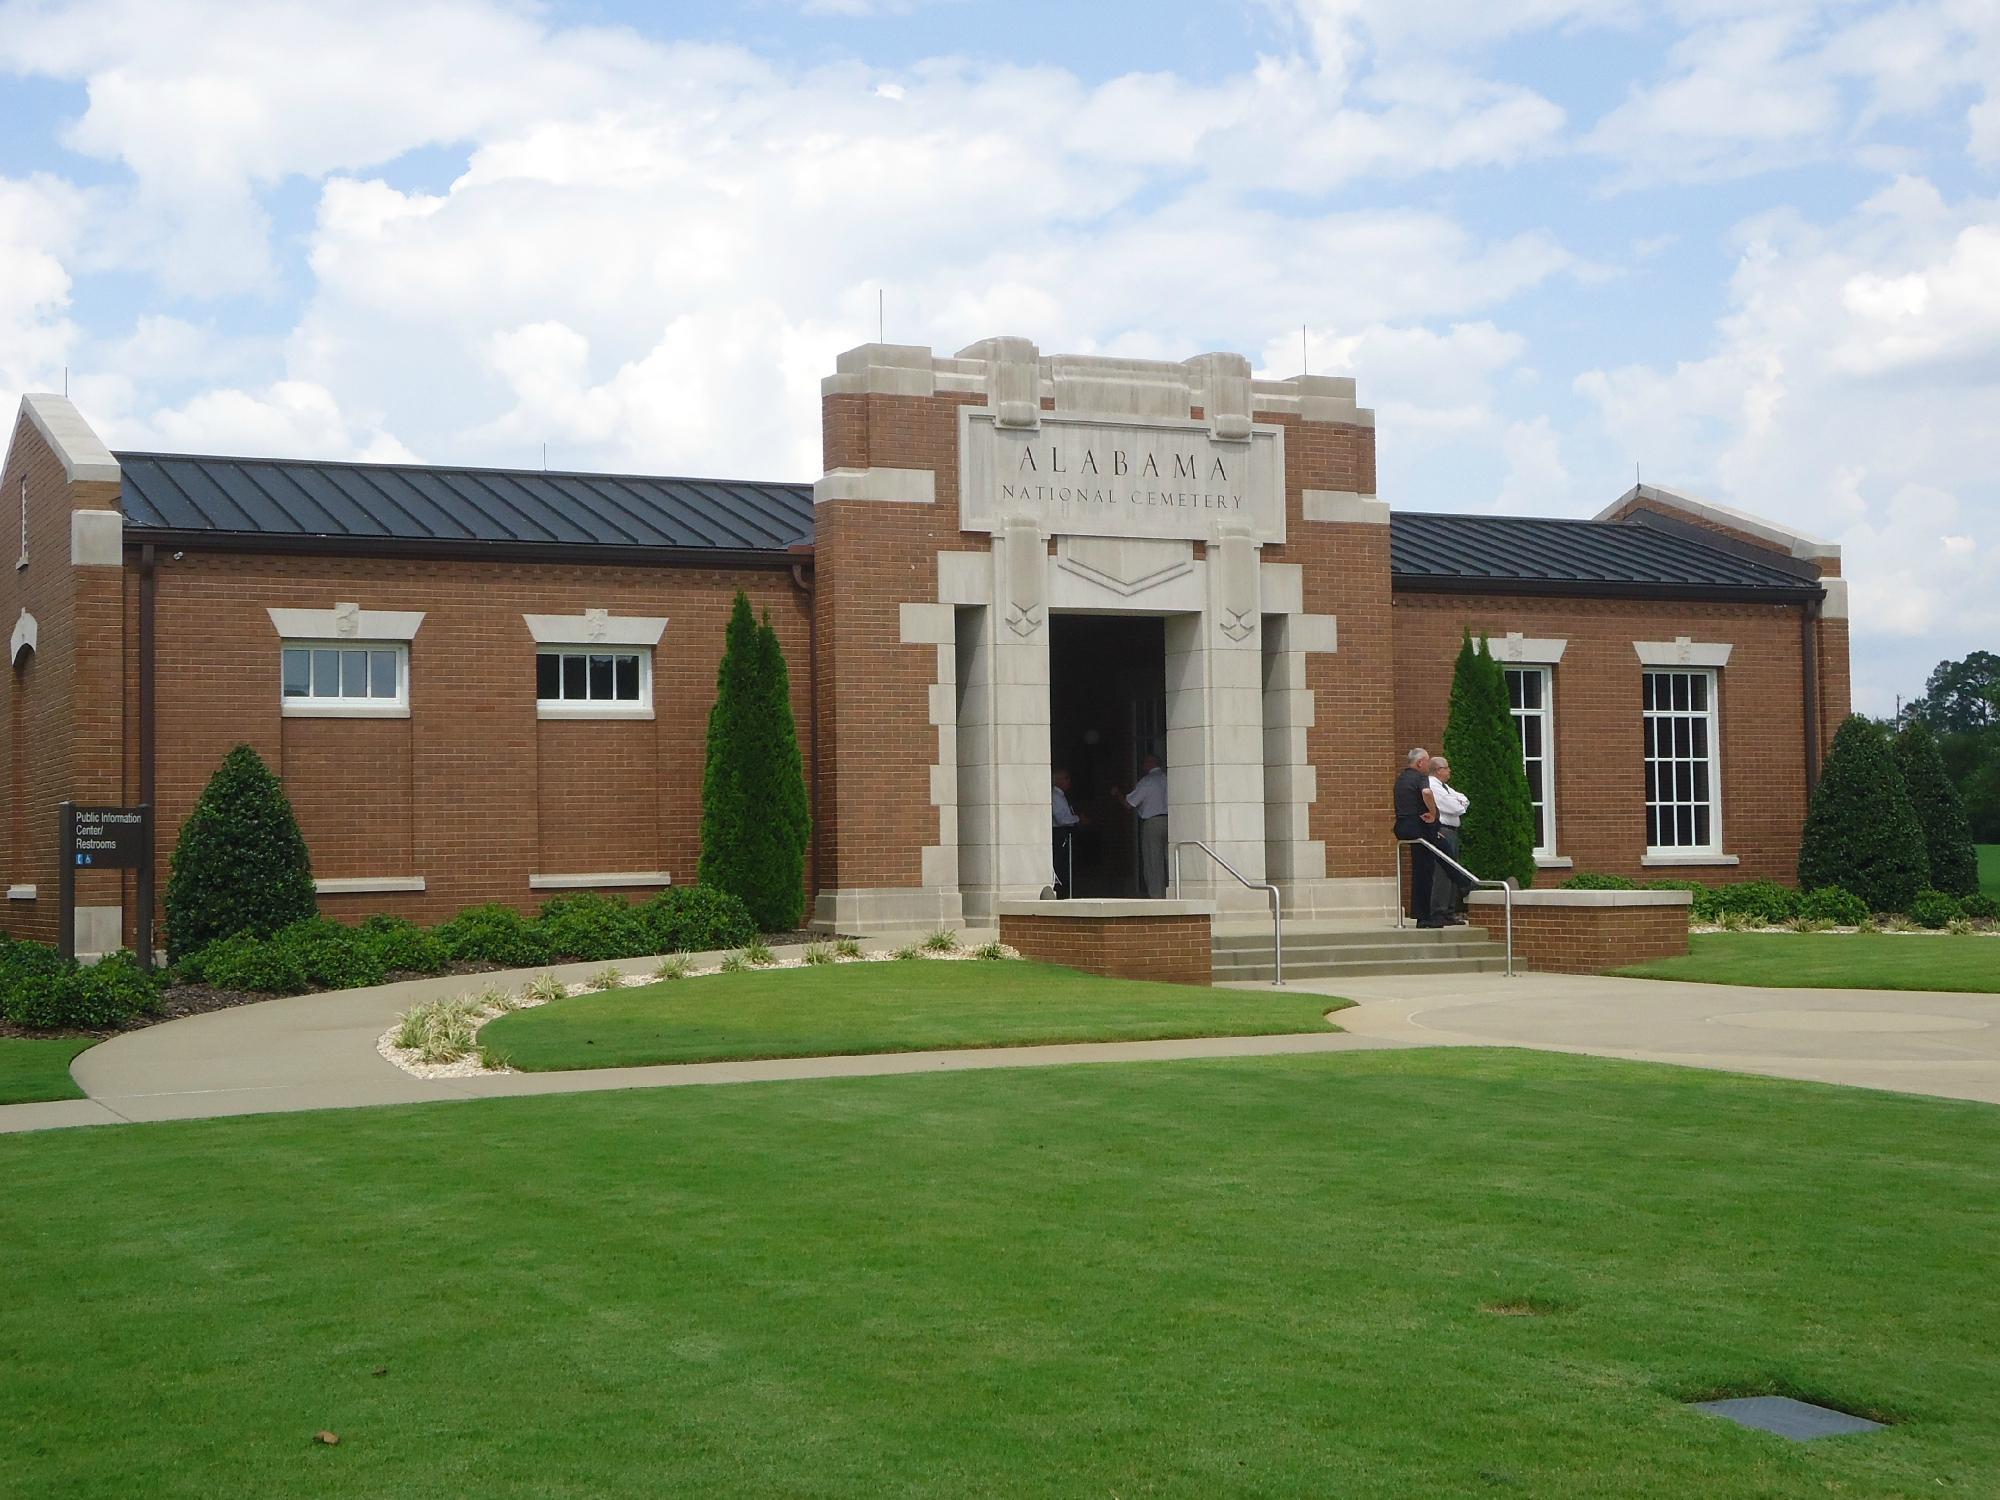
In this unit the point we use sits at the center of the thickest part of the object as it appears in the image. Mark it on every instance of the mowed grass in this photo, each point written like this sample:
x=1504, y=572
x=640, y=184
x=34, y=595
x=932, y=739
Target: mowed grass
x=1834, y=960
x=1989, y=869
x=903, y=1006
x=1253, y=1277
x=33, y=1069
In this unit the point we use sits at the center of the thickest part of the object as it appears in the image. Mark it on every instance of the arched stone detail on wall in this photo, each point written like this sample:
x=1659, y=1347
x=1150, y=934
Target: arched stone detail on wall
x=26, y=635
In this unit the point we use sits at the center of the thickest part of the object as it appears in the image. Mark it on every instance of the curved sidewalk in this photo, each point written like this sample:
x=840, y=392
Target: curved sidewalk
x=1909, y=1041
x=319, y=1052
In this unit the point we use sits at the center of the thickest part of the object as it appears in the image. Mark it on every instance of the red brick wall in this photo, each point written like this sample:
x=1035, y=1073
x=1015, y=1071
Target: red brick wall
x=62, y=706
x=1586, y=939
x=1174, y=949
x=473, y=791
x=1600, y=770
x=869, y=558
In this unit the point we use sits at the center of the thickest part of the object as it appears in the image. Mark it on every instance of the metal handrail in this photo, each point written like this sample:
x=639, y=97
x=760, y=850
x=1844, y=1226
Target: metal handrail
x=1277, y=920
x=1506, y=890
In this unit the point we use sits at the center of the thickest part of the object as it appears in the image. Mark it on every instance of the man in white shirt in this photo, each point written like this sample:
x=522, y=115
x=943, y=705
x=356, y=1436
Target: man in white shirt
x=1149, y=800
x=1449, y=803
x=1064, y=821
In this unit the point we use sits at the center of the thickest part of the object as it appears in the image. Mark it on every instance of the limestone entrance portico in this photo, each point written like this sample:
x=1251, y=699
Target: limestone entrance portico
x=967, y=500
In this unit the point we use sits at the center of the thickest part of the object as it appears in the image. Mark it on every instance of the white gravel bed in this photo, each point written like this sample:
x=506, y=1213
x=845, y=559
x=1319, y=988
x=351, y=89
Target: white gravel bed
x=471, y=1065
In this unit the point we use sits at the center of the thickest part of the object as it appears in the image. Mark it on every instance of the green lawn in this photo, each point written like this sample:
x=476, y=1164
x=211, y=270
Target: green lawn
x=1254, y=1277
x=908, y=1006
x=1989, y=869
x=1834, y=960
x=33, y=1069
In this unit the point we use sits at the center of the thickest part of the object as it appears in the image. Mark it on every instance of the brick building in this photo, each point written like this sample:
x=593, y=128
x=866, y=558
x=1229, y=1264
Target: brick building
x=492, y=685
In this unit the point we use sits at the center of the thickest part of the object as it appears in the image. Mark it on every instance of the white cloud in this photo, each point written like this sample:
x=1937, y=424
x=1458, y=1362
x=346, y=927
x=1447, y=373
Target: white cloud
x=40, y=219
x=288, y=419
x=1850, y=394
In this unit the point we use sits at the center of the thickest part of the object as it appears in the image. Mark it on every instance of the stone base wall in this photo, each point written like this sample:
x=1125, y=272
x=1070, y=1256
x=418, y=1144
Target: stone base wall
x=1173, y=948
x=1587, y=932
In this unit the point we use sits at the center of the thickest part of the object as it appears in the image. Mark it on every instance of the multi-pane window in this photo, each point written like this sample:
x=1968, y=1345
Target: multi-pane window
x=1679, y=710
x=1529, y=696
x=593, y=679
x=318, y=675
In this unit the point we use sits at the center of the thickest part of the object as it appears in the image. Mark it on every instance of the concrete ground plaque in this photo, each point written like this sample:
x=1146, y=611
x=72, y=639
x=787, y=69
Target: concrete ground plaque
x=1797, y=1420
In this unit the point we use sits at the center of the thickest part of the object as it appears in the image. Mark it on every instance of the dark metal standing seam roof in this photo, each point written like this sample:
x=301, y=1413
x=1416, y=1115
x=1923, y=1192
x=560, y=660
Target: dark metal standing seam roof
x=273, y=501
x=297, y=499
x=1523, y=554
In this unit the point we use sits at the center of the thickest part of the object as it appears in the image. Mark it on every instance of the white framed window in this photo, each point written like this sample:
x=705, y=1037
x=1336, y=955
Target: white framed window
x=344, y=679
x=1531, y=697
x=1682, y=770
x=579, y=682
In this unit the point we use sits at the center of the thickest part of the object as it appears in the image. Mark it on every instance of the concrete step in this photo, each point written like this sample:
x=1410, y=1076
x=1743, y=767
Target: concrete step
x=1357, y=969
x=1359, y=953
x=1413, y=938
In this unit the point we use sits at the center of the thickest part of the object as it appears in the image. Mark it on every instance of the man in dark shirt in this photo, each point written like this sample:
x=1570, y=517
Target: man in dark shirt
x=1415, y=820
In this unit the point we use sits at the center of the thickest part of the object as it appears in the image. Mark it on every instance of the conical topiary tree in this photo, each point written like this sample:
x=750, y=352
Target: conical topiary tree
x=753, y=813
x=1498, y=836
x=240, y=863
x=1954, y=863
x=1861, y=833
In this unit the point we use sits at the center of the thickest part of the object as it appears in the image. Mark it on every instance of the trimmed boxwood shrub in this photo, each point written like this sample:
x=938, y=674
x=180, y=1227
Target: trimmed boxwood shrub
x=51, y=994
x=1860, y=832
x=494, y=934
x=334, y=957
x=1762, y=901
x=240, y=864
x=1981, y=908
x=248, y=962
x=1954, y=862
x=401, y=946
x=588, y=926
x=696, y=919
x=1831, y=904
x=1589, y=882
x=1935, y=909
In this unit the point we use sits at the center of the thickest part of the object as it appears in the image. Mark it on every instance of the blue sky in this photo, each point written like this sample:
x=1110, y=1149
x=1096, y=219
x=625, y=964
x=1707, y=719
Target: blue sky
x=1749, y=247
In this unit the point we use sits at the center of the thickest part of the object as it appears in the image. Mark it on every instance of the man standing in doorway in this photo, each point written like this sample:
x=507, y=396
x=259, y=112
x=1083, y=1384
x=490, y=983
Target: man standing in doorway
x=1149, y=800
x=1064, y=820
x=1416, y=824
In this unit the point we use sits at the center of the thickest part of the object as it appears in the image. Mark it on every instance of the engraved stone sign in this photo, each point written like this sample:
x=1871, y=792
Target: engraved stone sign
x=1094, y=476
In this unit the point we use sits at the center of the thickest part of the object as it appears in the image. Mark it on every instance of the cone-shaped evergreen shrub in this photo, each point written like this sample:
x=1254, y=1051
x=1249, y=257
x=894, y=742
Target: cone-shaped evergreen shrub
x=1940, y=813
x=240, y=864
x=1861, y=833
x=1498, y=836
x=754, y=823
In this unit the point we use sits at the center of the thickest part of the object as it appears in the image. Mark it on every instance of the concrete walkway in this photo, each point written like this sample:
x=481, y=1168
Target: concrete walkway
x=319, y=1052
x=1916, y=1042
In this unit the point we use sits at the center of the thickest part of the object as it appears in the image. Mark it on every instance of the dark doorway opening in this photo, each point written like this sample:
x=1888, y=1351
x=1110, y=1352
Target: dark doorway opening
x=1107, y=708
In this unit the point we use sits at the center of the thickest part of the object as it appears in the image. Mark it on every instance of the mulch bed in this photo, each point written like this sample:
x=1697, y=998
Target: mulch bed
x=179, y=1001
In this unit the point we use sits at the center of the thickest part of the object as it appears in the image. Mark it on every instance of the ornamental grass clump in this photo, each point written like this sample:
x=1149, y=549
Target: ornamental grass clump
x=909, y=950
x=733, y=963
x=817, y=953
x=544, y=988
x=848, y=947
x=439, y=1031
x=758, y=952
x=674, y=966
x=990, y=950
x=606, y=978
x=944, y=940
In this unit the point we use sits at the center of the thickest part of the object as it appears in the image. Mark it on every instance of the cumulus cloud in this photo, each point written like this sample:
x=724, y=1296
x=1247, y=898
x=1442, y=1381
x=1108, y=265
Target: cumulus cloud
x=1850, y=394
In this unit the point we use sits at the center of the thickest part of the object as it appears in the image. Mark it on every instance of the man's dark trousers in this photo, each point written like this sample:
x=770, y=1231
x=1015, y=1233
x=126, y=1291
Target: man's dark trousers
x=1410, y=824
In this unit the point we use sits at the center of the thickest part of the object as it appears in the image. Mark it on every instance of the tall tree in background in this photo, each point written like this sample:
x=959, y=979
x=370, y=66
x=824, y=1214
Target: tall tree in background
x=1962, y=696
x=1861, y=833
x=1498, y=837
x=240, y=863
x=1954, y=864
x=754, y=823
